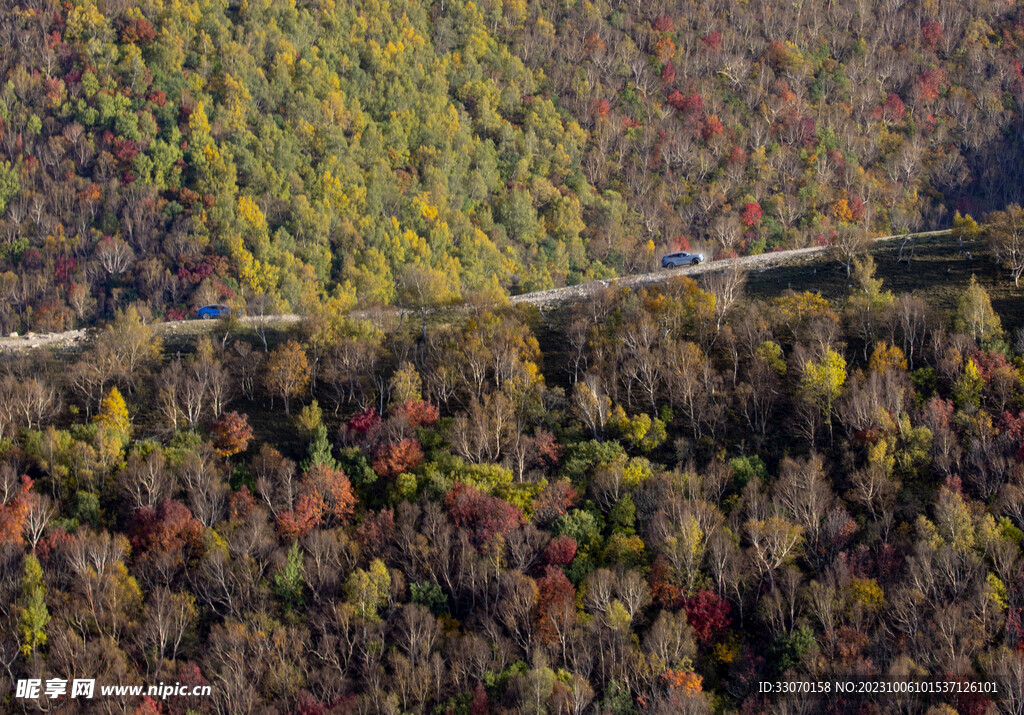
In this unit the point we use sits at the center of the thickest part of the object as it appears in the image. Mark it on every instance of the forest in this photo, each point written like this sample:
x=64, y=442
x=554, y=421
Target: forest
x=295, y=155
x=420, y=497
x=685, y=493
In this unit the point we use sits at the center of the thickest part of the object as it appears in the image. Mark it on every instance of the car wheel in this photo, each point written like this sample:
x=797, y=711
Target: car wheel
x=205, y=316
x=695, y=261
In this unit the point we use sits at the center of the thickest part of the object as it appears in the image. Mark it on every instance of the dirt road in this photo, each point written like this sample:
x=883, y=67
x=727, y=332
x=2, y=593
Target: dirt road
x=70, y=340
x=752, y=263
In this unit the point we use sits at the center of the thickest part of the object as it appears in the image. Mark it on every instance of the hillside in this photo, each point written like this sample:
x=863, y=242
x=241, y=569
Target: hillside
x=650, y=499
x=470, y=451
x=302, y=154
x=183, y=328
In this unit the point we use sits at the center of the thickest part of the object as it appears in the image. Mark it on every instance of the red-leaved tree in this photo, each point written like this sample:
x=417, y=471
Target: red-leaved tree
x=170, y=529
x=707, y=613
x=364, y=422
x=751, y=214
x=664, y=592
x=418, y=413
x=931, y=33
x=333, y=490
x=394, y=458
x=325, y=495
x=479, y=705
x=13, y=513
x=668, y=74
x=560, y=551
x=240, y=503
x=231, y=434
x=148, y=706
x=553, y=502
x=302, y=519
x=893, y=109
x=482, y=515
x=375, y=533
x=663, y=23
x=711, y=127
x=681, y=243
x=555, y=597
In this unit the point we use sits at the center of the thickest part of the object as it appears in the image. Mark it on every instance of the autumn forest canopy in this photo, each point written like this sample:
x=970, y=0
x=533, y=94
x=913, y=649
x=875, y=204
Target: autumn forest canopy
x=681, y=494
x=646, y=501
x=174, y=154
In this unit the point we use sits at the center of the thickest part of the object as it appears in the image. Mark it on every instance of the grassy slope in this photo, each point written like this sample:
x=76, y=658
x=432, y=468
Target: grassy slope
x=938, y=273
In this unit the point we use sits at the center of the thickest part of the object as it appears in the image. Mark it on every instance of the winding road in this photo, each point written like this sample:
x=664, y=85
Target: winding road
x=70, y=339
x=758, y=262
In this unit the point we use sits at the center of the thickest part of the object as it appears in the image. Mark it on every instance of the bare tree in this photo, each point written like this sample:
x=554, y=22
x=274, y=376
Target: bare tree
x=127, y=345
x=591, y=404
x=416, y=632
x=516, y=608
x=169, y=617
x=200, y=476
x=114, y=255
x=146, y=481
x=422, y=288
x=804, y=492
x=261, y=310
x=849, y=243
x=276, y=479
x=727, y=288
x=726, y=232
x=36, y=401
x=41, y=511
x=246, y=366
x=1005, y=231
x=1008, y=670
x=641, y=355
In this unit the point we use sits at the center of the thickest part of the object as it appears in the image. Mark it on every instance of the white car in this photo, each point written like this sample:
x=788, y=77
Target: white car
x=682, y=258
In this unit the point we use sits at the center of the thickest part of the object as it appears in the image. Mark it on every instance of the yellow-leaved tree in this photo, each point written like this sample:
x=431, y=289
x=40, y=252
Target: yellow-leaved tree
x=33, y=614
x=887, y=357
x=974, y=315
x=822, y=383
x=113, y=414
x=367, y=591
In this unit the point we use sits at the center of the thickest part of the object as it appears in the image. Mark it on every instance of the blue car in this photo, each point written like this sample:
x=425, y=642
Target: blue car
x=215, y=311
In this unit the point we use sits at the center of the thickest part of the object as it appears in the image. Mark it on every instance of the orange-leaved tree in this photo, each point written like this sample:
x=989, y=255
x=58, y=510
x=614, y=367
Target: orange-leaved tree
x=231, y=434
